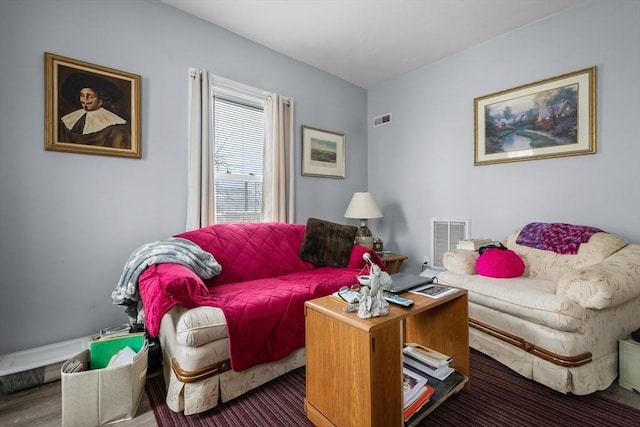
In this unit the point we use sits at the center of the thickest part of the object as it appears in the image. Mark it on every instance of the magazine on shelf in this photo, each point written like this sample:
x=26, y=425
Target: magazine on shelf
x=426, y=355
x=423, y=398
x=434, y=290
x=414, y=397
x=442, y=390
x=441, y=373
x=412, y=384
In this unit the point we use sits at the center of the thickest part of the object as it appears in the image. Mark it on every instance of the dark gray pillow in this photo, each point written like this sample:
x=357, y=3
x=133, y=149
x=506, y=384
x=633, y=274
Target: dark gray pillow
x=327, y=243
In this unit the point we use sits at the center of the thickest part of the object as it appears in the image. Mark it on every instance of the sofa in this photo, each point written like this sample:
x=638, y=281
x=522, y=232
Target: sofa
x=233, y=332
x=559, y=321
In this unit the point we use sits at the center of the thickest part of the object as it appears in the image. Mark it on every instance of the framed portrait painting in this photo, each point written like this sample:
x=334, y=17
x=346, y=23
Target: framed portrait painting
x=91, y=109
x=550, y=118
x=322, y=153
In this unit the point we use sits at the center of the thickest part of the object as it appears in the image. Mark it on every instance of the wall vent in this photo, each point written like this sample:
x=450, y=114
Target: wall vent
x=382, y=120
x=445, y=233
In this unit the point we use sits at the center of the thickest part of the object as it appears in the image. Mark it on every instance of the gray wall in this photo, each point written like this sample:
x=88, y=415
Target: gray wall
x=68, y=222
x=421, y=165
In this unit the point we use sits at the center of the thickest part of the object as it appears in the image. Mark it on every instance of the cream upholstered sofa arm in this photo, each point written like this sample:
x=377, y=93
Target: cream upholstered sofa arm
x=460, y=261
x=609, y=283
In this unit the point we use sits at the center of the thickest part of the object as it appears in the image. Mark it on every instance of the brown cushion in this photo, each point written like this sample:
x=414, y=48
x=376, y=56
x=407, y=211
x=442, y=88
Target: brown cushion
x=327, y=243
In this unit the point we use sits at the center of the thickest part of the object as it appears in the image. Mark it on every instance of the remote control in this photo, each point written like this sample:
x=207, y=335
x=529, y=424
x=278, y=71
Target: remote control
x=397, y=299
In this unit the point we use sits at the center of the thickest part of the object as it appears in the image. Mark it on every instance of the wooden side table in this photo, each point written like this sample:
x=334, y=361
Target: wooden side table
x=393, y=262
x=354, y=365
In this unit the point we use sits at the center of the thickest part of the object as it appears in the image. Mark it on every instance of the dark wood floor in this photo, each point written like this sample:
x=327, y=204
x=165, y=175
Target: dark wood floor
x=42, y=406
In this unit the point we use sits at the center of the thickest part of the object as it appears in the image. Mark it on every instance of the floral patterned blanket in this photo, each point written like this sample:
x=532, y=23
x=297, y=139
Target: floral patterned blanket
x=557, y=237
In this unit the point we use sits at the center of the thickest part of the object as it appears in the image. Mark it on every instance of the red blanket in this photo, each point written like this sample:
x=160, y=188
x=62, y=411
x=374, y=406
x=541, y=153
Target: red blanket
x=265, y=317
x=261, y=290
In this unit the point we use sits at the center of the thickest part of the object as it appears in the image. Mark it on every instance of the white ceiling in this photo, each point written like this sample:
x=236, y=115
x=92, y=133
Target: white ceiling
x=368, y=41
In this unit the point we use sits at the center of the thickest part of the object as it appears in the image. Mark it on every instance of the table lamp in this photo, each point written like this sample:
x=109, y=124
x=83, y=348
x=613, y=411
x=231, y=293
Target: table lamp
x=363, y=207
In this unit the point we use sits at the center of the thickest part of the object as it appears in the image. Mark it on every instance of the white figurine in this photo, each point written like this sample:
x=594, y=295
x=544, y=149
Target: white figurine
x=364, y=308
x=380, y=305
x=372, y=302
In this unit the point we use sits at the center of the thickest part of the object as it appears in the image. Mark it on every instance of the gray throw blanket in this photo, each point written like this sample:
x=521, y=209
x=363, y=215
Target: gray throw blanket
x=174, y=250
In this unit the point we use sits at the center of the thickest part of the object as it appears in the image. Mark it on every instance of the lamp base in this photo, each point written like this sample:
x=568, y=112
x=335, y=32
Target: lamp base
x=364, y=237
x=365, y=241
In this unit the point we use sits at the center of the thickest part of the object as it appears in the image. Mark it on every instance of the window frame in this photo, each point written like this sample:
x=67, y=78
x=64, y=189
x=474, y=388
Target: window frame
x=231, y=91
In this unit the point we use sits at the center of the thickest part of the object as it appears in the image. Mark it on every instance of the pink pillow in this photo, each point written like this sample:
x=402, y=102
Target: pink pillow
x=500, y=263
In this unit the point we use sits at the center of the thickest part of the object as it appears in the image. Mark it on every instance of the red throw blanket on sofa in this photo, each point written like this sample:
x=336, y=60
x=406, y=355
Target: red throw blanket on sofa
x=265, y=316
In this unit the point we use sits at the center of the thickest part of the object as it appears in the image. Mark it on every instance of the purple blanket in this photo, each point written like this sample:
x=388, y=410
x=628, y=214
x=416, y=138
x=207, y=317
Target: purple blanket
x=556, y=237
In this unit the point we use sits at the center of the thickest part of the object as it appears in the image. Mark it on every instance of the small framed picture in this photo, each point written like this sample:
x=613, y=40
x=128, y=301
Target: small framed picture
x=555, y=117
x=322, y=153
x=91, y=109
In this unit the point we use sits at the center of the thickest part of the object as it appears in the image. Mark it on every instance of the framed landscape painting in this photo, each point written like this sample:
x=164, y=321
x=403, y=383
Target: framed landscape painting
x=91, y=109
x=322, y=153
x=550, y=118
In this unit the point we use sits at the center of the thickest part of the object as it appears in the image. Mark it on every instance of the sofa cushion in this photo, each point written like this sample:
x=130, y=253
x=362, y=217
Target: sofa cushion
x=327, y=244
x=534, y=300
x=461, y=261
x=500, y=263
x=265, y=318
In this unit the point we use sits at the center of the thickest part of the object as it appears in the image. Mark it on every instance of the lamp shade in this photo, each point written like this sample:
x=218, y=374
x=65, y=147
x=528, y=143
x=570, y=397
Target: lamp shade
x=362, y=206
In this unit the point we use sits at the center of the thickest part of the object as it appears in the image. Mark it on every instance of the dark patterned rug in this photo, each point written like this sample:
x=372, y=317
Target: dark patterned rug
x=497, y=397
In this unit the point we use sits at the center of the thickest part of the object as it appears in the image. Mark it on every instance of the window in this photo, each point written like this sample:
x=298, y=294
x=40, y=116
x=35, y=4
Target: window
x=241, y=166
x=238, y=127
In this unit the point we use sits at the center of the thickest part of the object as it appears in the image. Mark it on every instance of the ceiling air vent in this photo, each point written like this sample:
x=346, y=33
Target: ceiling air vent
x=382, y=120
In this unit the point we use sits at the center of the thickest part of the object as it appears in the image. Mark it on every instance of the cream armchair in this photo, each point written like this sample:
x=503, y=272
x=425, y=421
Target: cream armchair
x=558, y=323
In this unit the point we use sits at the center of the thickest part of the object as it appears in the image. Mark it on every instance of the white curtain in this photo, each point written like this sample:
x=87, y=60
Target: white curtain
x=200, y=198
x=278, y=168
x=278, y=172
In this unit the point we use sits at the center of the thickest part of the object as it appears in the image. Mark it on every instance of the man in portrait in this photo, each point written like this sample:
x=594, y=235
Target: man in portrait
x=94, y=122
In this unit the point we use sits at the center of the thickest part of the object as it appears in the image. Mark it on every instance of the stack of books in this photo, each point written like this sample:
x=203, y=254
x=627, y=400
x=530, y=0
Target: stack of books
x=473, y=244
x=416, y=392
x=427, y=361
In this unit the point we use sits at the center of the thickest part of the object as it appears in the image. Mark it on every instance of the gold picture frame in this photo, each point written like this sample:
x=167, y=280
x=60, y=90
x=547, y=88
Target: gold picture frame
x=91, y=109
x=323, y=153
x=550, y=118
